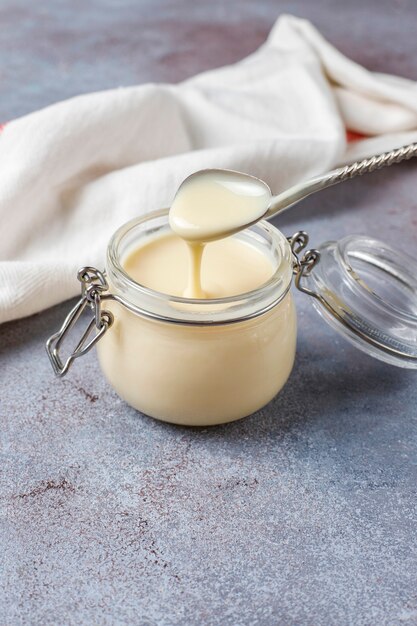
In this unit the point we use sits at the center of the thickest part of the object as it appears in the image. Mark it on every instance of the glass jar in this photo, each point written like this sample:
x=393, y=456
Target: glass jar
x=204, y=362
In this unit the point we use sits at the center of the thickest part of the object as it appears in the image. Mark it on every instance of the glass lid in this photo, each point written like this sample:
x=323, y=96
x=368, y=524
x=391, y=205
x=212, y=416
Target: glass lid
x=367, y=291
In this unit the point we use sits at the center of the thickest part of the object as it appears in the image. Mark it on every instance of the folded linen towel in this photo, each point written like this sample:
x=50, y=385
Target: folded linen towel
x=75, y=171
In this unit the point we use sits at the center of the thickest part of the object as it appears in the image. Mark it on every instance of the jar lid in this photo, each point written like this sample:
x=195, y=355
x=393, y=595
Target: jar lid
x=367, y=291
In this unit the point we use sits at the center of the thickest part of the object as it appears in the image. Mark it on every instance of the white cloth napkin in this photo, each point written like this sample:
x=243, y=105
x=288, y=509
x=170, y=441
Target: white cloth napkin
x=73, y=172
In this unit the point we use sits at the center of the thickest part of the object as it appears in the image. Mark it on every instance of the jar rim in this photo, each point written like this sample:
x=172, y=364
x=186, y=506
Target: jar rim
x=158, y=305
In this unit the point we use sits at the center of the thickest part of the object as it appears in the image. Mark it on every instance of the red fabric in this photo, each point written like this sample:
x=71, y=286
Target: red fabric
x=352, y=136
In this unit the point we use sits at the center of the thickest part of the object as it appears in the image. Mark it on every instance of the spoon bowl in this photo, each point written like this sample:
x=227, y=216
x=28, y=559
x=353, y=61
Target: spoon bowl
x=213, y=203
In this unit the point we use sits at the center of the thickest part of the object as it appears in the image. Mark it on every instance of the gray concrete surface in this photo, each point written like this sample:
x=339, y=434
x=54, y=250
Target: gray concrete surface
x=303, y=514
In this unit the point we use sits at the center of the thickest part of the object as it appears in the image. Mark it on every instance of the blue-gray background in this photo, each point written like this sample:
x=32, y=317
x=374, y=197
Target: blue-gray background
x=301, y=514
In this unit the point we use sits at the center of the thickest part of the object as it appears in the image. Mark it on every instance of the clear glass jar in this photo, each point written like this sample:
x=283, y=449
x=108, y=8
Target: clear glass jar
x=198, y=362
x=201, y=362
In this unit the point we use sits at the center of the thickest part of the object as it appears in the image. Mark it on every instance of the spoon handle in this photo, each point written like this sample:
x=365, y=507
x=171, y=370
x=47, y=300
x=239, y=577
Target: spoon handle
x=291, y=196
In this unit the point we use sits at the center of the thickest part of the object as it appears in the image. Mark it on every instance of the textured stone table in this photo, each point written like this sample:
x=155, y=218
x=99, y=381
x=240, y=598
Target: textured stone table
x=303, y=514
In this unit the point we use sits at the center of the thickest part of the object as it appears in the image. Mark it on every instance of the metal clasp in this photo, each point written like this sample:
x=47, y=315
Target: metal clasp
x=93, y=284
x=302, y=267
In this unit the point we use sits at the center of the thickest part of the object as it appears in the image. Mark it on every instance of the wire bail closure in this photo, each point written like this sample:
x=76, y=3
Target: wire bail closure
x=302, y=267
x=93, y=284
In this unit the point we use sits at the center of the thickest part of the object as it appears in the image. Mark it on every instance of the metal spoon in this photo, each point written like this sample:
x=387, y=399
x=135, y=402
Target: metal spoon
x=236, y=217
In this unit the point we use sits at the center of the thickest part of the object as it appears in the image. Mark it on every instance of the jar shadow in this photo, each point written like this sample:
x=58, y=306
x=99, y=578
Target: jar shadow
x=315, y=398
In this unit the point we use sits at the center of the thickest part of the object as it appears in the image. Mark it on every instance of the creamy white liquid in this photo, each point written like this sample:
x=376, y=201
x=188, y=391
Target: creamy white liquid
x=230, y=267
x=211, y=205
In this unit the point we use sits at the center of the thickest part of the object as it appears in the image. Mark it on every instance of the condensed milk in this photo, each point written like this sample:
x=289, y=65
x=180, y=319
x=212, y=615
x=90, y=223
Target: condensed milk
x=230, y=267
x=206, y=361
